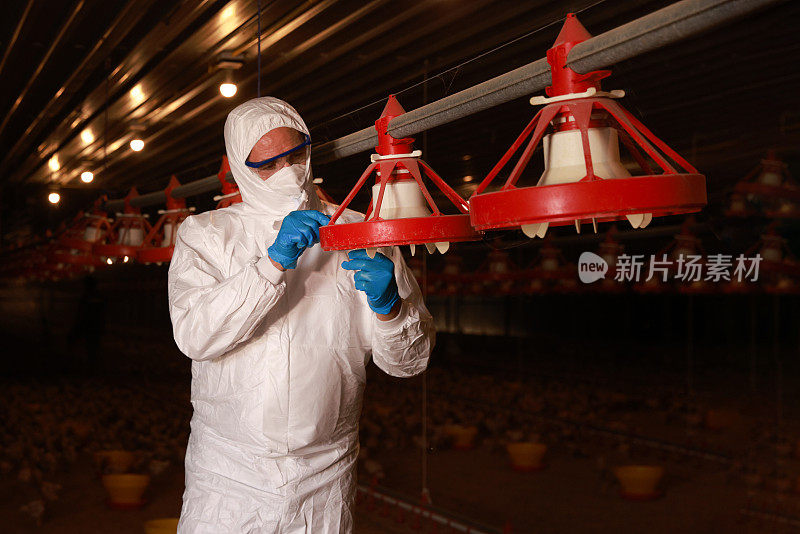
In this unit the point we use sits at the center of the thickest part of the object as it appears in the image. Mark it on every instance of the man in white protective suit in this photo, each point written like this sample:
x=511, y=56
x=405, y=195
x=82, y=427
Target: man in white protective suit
x=280, y=332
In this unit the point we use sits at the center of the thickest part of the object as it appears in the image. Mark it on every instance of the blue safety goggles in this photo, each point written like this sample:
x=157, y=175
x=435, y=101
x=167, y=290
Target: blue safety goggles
x=259, y=164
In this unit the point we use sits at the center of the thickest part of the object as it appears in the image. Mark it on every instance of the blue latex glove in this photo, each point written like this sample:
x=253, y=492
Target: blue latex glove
x=375, y=277
x=299, y=230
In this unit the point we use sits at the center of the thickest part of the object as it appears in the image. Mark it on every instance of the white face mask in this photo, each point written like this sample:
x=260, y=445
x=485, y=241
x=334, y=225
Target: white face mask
x=287, y=190
x=289, y=181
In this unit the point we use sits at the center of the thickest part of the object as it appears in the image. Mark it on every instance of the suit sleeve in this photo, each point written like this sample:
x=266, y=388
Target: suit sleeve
x=402, y=346
x=212, y=312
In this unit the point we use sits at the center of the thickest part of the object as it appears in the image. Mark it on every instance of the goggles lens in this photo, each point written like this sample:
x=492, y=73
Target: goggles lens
x=294, y=155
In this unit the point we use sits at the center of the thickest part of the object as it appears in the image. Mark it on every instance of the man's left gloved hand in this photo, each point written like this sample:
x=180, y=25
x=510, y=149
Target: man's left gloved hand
x=375, y=277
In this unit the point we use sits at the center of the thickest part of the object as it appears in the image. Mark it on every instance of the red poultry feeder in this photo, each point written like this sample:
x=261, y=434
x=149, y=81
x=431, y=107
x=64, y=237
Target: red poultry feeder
x=739, y=206
x=497, y=275
x=127, y=234
x=686, y=256
x=230, y=191
x=87, y=229
x=159, y=242
x=448, y=281
x=770, y=184
x=779, y=270
x=610, y=249
x=323, y=195
x=550, y=271
x=50, y=268
x=402, y=210
x=63, y=256
x=584, y=179
x=416, y=267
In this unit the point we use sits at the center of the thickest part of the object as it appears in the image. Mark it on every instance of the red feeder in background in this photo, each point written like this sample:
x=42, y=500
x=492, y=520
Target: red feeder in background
x=683, y=248
x=738, y=206
x=230, y=192
x=779, y=270
x=447, y=281
x=550, y=271
x=497, y=275
x=401, y=211
x=610, y=249
x=771, y=185
x=87, y=229
x=159, y=242
x=323, y=195
x=584, y=179
x=126, y=235
x=59, y=255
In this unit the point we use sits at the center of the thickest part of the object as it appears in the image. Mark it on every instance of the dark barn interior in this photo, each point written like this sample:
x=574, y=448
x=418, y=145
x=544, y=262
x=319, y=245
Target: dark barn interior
x=641, y=402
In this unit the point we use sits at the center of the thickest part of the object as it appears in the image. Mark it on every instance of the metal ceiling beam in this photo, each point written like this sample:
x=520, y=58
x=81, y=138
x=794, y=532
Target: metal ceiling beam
x=670, y=24
x=96, y=101
x=15, y=35
x=55, y=44
x=155, y=109
x=125, y=20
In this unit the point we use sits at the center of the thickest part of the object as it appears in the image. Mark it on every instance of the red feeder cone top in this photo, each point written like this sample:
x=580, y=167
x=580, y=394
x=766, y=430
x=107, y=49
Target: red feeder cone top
x=402, y=210
x=581, y=128
x=566, y=80
x=386, y=143
x=159, y=243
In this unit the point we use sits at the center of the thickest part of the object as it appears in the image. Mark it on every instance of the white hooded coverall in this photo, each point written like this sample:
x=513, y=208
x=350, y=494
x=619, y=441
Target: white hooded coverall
x=279, y=358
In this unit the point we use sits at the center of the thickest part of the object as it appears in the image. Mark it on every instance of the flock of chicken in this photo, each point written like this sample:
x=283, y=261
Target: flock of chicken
x=46, y=426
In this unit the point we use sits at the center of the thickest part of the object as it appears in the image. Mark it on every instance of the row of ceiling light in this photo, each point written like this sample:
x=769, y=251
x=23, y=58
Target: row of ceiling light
x=226, y=62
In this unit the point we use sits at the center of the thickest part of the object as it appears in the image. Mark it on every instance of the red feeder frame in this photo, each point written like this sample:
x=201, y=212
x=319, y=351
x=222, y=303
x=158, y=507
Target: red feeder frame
x=592, y=197
x=230, y=192
x=96, y=220
x=172, y=217
x=392, y=155
x=131, y=218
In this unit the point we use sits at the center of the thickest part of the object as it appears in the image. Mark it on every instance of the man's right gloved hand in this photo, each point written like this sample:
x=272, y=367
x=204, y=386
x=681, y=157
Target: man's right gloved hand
x=299, y=230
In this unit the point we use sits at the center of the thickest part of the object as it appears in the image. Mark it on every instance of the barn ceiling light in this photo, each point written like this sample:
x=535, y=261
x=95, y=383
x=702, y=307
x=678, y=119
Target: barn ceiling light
x=584, y=180
x=53, y=163
x=54, y=198
x=137, y=94
x=137, y=144
x=227, y=89
x=228, y=63
x=87, y=177
x=87, y=137
x=401, y=210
